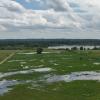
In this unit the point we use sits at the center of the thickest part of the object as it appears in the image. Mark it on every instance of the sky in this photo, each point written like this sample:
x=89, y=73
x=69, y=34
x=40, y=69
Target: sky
x=68, y=19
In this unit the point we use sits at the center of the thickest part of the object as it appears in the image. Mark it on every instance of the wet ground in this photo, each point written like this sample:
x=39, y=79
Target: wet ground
x=47, y=79
x=47, y=72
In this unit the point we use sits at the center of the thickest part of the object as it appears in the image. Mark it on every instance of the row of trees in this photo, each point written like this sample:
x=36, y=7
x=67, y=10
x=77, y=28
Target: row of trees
x=83, y=48
x=40, y=50
x=30, y=43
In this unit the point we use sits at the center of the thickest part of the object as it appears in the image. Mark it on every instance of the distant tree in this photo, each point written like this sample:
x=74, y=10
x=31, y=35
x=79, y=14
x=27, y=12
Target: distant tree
x=81, y=48
x=39, y=50
x=74, y=48
x=88, y=48
x=95, y=48
x=84, y=49
x=67, y=49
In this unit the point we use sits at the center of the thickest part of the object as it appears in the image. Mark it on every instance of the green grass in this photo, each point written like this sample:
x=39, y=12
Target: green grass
x=62, y=63
x=79, y=90
x=5, y=53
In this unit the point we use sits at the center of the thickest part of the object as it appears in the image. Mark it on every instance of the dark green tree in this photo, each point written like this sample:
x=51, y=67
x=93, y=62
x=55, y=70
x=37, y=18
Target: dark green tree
x=74, y=48
x=39, y=50
x=81, y=48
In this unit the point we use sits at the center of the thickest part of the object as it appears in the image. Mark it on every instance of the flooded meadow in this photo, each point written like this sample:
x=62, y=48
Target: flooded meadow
x=51, y=74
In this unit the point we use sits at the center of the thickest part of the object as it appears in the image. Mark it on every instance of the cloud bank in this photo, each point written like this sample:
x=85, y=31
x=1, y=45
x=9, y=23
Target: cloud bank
x=50, y=15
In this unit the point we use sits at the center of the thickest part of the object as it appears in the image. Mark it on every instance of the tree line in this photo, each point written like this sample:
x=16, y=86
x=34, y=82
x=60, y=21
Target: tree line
x=31, y=43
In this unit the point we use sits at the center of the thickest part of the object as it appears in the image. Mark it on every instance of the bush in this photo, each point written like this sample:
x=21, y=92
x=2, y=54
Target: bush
x=39, y=50
x=74, y=48
x=81, y=48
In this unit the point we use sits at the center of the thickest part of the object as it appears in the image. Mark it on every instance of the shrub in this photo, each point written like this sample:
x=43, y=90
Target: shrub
x=39, y=50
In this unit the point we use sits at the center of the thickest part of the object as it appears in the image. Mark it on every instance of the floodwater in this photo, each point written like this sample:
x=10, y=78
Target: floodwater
x=4, y=84
x=2, y=75
x=86, y=75
x=15, y=60
x=7, y=85
x=96, y=63
x=71, y=46
x=31, y=53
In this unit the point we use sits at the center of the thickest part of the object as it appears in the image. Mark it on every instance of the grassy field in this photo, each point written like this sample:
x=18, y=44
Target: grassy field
x=26, y=75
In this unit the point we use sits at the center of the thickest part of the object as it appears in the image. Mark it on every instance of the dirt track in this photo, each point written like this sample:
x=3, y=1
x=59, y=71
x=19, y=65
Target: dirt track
x=7, y=58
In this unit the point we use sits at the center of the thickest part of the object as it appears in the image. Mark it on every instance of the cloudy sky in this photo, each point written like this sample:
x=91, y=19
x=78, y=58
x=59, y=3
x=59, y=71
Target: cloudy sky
x=50, y=19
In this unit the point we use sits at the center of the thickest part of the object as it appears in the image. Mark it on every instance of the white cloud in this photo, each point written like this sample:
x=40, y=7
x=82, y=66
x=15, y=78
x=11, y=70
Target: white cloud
x=11, y=5
x=15, y=15
x=54, y=14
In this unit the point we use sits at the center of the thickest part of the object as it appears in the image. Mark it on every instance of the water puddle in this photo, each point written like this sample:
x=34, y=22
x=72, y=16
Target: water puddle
x=43, y=70
x=40, y=66
x=25, y=67
x=23, y=62
x=84, y=65
x=86, y=75
x=7, y=85
x=28, y=53
x=16, y=61
x=96, y=63
x=70, y=66
x=2, y=75
x=48, y=52
x=56, y=64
